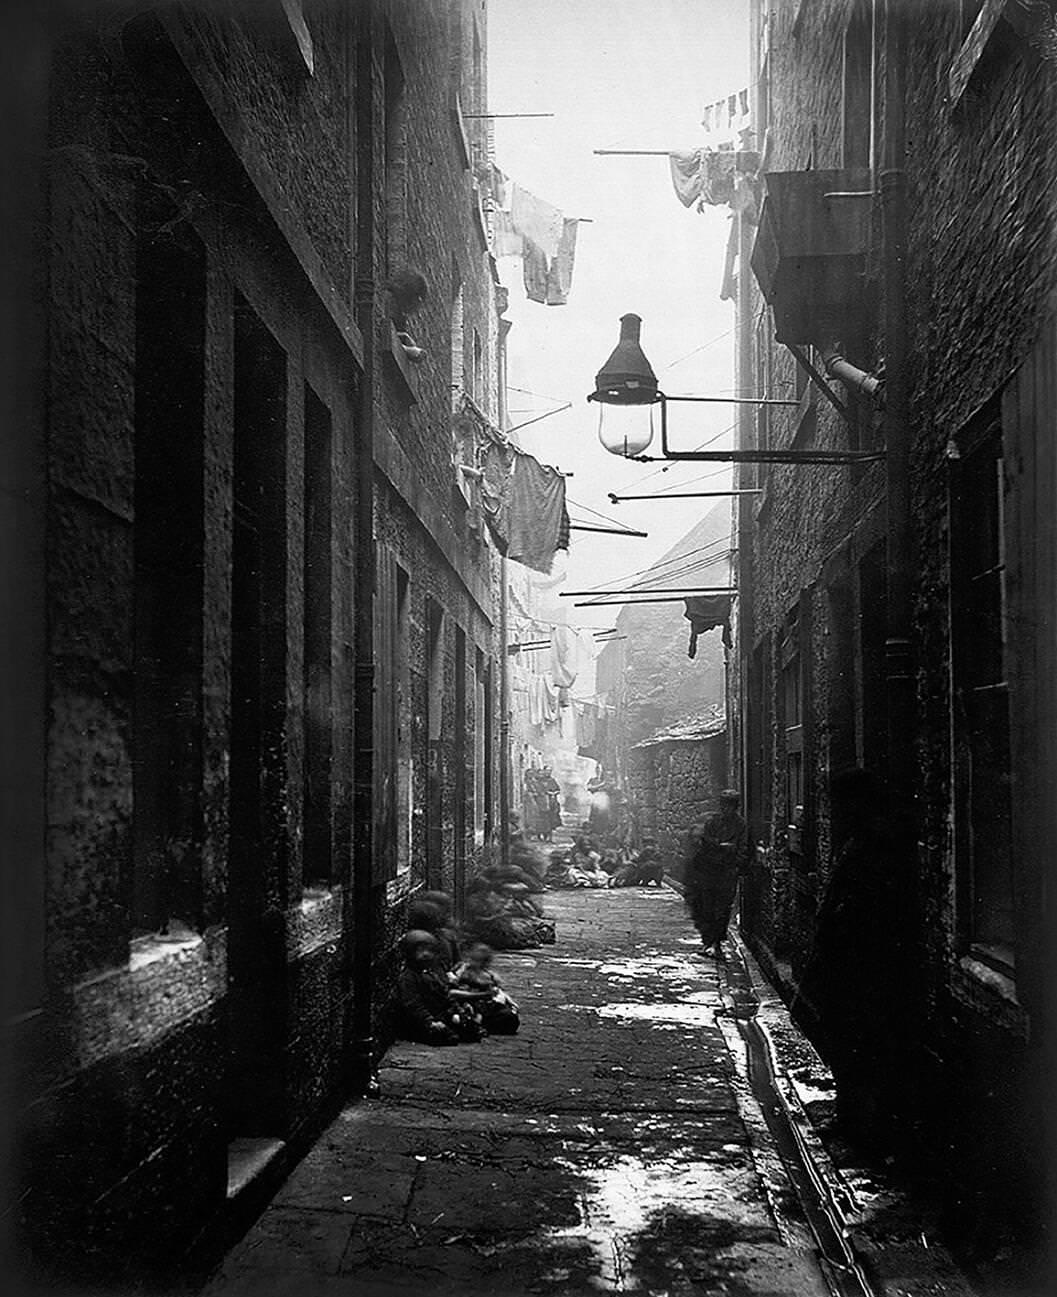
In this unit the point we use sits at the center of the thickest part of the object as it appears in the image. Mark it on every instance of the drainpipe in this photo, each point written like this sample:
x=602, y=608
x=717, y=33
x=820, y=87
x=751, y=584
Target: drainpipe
x=899, y=672
x=504, y=720
x=851, y=376
x=362, y=1060
x=898, y=666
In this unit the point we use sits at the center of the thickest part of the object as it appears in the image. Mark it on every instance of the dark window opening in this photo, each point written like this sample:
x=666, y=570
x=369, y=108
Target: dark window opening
x=791, y=704
x=873, y=632
x=318, y=700
x=459, y=808
x=983, y=776
x=402, y=708
x=434, y=720
x=168, y=568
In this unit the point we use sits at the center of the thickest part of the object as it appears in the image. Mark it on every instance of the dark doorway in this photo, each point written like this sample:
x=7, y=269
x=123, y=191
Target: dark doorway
x=256, y=998
x=435, y=775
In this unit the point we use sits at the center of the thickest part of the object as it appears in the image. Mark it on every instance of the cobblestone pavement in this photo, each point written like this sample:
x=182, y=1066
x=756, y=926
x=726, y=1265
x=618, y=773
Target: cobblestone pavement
x=612, y=1146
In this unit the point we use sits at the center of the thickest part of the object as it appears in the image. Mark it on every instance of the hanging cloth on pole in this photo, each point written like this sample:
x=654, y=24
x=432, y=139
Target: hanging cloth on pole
x=704, y=613
x=703, y=176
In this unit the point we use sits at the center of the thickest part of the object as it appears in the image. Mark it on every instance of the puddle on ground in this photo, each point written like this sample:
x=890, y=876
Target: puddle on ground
x=628, y=1199
x=667, y=1016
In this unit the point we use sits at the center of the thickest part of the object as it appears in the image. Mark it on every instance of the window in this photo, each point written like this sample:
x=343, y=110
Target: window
x=402, y=705
x=168, y=561
x=480, y=751
x=981, y=723
x=434, y=721
x=459, y=755
x=873, y=685
x=760, y=743
x=392, y=718
x=477, y=381
x=793, y=646
x=318, y=620
x=259, y=684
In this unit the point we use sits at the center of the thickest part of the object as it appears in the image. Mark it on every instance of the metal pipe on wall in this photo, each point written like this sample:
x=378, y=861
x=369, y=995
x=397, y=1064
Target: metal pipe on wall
x=898, y=666
x=362, y=1063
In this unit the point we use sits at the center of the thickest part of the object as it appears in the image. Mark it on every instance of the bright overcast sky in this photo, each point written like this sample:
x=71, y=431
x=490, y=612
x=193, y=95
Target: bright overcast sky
x=632, y=74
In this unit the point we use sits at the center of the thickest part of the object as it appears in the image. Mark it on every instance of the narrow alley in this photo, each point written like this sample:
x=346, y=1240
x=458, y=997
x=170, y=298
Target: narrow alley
x=614, y=1145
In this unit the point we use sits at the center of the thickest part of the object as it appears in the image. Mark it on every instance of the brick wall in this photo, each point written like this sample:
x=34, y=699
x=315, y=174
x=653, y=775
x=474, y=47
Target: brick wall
x=217, y=132
x=980, y=289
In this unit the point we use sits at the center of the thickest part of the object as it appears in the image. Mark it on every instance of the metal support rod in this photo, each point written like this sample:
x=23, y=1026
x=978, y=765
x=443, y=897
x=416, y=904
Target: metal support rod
x=518, y=426
x=764, y=456
x=754, y=456
x=732, y=400
x=664, y=598
x=687, y=495
x=656, y=589
x=804, y=361
x=470, y=117
x=612, y=531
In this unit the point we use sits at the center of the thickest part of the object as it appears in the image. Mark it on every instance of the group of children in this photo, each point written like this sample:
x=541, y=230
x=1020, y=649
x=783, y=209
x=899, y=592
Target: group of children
x=591, y=863
x=445, y=996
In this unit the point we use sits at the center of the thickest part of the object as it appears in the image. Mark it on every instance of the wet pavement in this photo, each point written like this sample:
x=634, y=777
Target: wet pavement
x=614, y=1146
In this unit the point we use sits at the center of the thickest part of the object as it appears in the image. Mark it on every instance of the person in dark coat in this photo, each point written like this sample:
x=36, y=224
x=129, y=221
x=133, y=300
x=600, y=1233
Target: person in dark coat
x=859, y=976
x=717, y=855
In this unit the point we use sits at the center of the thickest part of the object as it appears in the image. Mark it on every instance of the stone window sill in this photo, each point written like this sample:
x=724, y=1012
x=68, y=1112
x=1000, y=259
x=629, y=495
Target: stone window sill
x=296, y=40
x=972, y=50
x=401, y=368
x=990, y=993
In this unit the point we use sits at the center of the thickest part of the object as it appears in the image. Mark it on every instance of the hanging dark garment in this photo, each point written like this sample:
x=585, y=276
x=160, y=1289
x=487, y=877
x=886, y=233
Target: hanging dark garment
x=705, y=612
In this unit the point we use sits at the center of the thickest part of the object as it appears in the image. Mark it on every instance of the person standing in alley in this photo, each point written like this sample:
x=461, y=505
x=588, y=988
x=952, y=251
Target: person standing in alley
x=717, y=856
x=860, y=974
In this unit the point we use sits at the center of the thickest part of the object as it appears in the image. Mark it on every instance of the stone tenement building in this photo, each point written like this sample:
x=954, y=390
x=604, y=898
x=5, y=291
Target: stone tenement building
x=897, y=613
x=251, y=622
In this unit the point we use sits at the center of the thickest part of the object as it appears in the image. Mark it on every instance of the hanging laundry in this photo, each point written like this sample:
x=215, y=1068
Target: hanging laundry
x=560, y=273
x=564, y=655
x=551, y=701
x=524, y=506
x=535, y=269
x=537, y=518
x=497, y=465
x=506, y=242
x=536, y=221
x=704, y=613
x=703, y=176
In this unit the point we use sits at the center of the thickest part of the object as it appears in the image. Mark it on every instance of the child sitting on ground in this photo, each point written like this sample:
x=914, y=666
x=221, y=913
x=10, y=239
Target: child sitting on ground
x=431, y=912
x=476, y=984
x=645, y=867
x=426, y=1011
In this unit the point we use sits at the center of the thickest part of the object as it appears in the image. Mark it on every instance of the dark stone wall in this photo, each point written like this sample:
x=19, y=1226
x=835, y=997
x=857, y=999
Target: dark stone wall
x=129, y=1063
x=675, y=785
x=981, y=274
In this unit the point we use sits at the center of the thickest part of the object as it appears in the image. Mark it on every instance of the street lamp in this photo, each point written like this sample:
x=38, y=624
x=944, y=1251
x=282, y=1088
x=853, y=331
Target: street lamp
x=626, y=391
